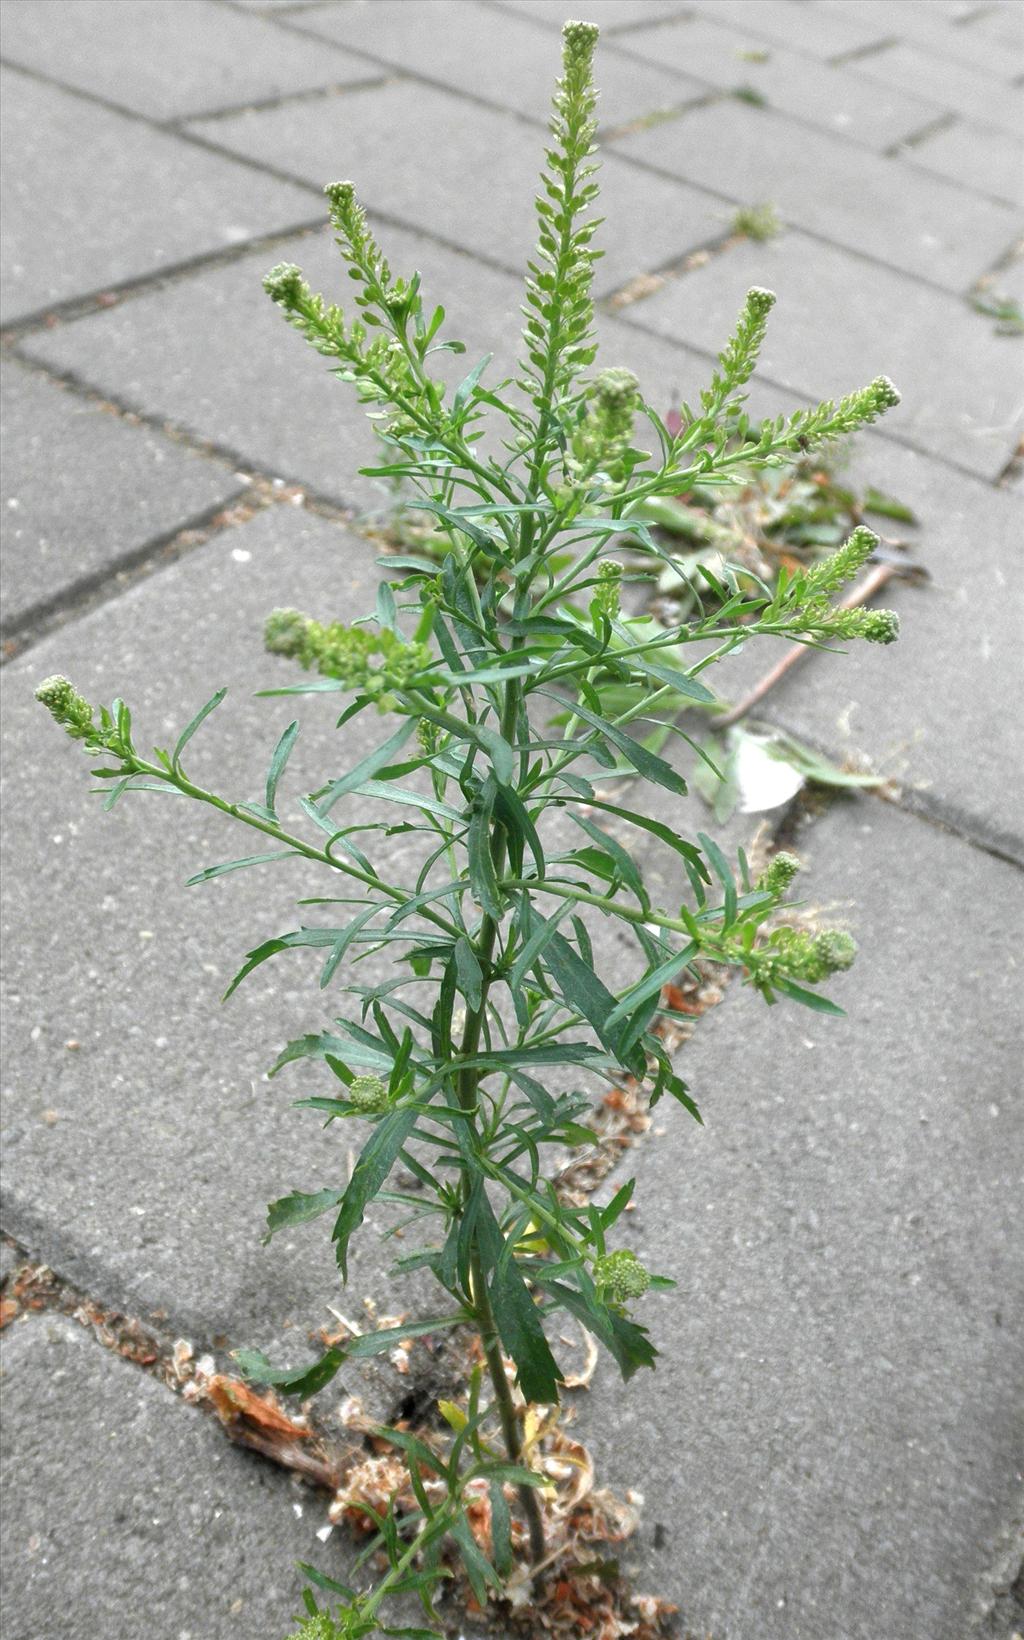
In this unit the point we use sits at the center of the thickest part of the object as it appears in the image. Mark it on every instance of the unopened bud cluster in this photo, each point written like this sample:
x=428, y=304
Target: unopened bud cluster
x=621, y=1276
x=779, y=873
x=70, y=709
x=606, y=430
x=77, y=718
x=369, y=1095
x=605, y=603
x=813, y=591
x=373, y=662
x=795, y=953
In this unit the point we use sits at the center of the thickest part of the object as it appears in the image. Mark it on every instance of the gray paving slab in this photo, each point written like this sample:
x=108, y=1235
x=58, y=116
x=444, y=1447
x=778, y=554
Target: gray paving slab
x=1000, y=24
x=142, y=1141
x=830, y=1444
x=961, y=89
x=832, y=188
x=934, y=711
x=164, y=62
x=487, y=210
x=245, y=379
x=943, y=31
x=988, y=161
x=504, y=58
x=840, y=321
x=84, y=492
x=309, y=428
x=612, y=16
x=85, y=209
x=123, y=1501
x=820, y=33
x=735, y=58
x=140, y=1162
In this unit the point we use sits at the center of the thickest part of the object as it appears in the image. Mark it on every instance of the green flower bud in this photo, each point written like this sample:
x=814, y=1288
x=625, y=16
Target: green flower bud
x=885, y=393
x=427, y=735
x=835, y=950
x=606, y=597
x=760, y=300
x=342, y=196
x=369, y=1095
x=779, y=873
x=579, y=41
x=285, y=631
x=70, y=709
x=320, y=1627
x=622, y=1276
x=880, y=626
x=615, y=389
x=284, y=284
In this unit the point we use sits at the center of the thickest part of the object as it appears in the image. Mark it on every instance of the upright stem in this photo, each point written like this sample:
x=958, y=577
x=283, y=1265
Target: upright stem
x=466, y=1089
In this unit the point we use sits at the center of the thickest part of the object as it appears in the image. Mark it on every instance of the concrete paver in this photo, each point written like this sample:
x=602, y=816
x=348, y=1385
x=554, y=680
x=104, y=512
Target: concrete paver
x=977, y=157
x=85, y=491
x=495, y=55
x=954, y=31
x=314, y=431
x=357, y=137
x=963, y=90
x=787, y=21
x=311, y=427
x=163, y=70
x=840, y=321
x=933, y=712
x=613, y=16
x=832, y=188
x=121, y=1499
x=735, y=58
x=829, y=1442
x=124, y=1155
x=98, y=199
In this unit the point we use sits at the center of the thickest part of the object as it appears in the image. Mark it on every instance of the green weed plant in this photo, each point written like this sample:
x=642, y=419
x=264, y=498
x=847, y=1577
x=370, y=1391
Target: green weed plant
x=469, y=660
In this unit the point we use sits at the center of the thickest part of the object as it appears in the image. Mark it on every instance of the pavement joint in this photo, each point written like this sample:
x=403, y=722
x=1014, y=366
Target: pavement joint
x=91, y=590
x=856, y=53
x=942, y=122
x=178, y=126
x=80, y=307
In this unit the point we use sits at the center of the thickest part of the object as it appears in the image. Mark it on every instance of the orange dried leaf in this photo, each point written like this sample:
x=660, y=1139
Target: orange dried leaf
x=233, y=1400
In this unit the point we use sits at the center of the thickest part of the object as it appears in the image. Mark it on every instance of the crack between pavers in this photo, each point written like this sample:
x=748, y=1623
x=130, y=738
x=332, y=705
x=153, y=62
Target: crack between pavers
x=913, y=139
x=72, y=308
x=176, y=130
x=623, y=52
x=648, y=283
x=856, y=53
x=89, y=591
x=178, y=124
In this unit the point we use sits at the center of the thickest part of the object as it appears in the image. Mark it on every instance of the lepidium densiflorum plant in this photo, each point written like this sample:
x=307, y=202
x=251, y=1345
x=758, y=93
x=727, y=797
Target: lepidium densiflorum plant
x=491, y=988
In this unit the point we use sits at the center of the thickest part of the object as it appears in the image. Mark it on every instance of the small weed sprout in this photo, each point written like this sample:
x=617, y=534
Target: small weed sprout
x=758, y=222
x=465, y=658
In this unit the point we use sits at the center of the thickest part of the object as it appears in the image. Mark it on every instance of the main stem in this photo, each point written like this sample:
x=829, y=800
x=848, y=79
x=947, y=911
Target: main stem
x=466, y=1088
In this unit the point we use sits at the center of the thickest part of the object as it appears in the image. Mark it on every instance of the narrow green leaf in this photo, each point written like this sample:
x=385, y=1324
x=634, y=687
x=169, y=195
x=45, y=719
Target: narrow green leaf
x=237, y=865
x=374, y=1164
x=190, y=729
x=299, y=1209
x=651, y=984
x=809, y=999
x=282, y=752
x=468, y=971
x=302, y=1381
x=366, y=767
